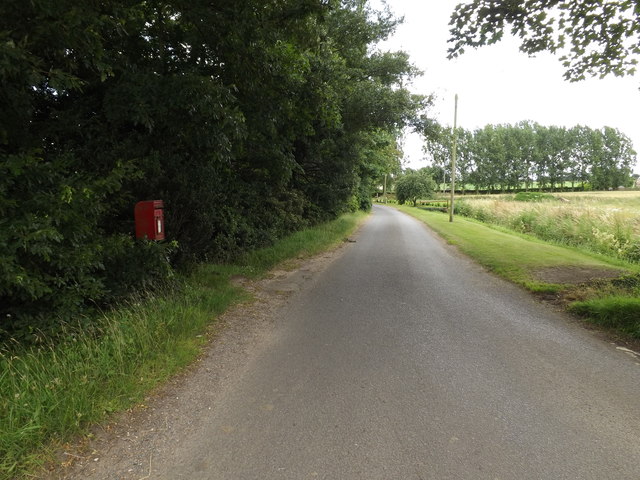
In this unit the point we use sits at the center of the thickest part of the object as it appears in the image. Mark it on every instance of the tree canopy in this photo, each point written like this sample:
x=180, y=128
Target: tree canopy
x=507, y=157
x=414, y=185
x=250, y=119
x=593, y=38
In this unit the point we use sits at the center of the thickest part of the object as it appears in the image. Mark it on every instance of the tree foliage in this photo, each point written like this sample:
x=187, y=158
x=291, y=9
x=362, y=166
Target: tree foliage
x=412, y=186
x=508, y=157
x=594, y=38
x=250, y=119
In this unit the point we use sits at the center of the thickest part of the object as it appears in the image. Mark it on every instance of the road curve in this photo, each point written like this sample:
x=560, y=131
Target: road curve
x=404, y=360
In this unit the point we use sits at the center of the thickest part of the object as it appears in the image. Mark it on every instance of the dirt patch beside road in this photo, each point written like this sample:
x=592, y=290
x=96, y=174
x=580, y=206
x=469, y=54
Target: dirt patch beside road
x=570, y=275
x=581, y=284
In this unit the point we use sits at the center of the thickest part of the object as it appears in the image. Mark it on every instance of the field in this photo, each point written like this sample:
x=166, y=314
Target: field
x=601, y=222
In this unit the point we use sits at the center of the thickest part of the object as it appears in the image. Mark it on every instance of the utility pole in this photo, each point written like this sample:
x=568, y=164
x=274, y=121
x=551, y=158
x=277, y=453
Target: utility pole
x=453, y=157
x=384, y=189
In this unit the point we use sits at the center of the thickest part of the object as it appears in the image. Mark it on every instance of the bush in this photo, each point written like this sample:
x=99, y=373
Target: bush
x=525, y=222
x=532, y=197
x=414, y=185
x=463, y=209
x=56, y=260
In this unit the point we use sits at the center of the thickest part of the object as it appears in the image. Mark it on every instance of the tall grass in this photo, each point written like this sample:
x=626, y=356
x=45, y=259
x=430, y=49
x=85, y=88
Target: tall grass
x=50, y=393
x=305, y=242
x=602, y=224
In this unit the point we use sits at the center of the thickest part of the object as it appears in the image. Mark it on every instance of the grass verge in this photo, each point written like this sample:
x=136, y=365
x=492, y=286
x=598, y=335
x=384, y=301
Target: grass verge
x=52, y=393
x=610, y=303
x=513, y=256
x=619, y=313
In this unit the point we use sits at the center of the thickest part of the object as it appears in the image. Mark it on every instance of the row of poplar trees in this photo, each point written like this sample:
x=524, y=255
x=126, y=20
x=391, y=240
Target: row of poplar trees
x=250, y=119
x=528, y=155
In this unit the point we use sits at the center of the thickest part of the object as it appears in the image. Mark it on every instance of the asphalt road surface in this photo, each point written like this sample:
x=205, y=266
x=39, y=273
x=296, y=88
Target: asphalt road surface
x=403, y=360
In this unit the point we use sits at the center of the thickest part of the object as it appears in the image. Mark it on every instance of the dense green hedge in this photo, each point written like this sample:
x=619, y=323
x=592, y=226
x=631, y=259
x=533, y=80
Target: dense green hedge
x=248, y=119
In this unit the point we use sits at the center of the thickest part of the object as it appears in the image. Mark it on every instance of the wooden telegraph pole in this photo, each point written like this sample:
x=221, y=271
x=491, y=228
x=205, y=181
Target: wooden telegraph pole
x=453, y=157
x=384, y=189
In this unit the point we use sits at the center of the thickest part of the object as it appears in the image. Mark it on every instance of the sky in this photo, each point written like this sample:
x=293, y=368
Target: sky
x=499, y=84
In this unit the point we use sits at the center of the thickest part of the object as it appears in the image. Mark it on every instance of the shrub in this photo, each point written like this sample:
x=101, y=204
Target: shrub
x=56, y=260
x=532, y=197
x=524, y=222
x=414, y=185
x=463, y=208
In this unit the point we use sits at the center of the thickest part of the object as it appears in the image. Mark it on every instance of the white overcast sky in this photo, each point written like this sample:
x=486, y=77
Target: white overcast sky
x=499, y=84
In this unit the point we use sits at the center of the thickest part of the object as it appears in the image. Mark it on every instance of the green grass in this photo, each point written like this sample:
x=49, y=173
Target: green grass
x=606, y=222
x=512, y=256
x=51, y=394
x=620, y=313
x=532, y=197
x=613, y=304
x=306, y=243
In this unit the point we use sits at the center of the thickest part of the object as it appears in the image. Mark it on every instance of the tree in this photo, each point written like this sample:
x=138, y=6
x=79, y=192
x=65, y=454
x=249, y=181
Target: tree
x=524, y=133
x=491, y=157
x=438, y=149
x=581, y=155
x=381, y=160
x=560, y=157
x=510, y=155
x=250, y=119
x=465, y=163
x=364, y=90
x=414, y=185
x=594, y=38
x=612, y=168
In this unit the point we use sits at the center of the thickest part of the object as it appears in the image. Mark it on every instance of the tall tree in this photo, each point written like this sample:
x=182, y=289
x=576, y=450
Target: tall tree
x=560, y=156
x=465, y=162
x=612, y=169
x=491, y=157
x=438, y=149
x=525, y=139
x=508, y=156
x=580, y=154
x=249, y=119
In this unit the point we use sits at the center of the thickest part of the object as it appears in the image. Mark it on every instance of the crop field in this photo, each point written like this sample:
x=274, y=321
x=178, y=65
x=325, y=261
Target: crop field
x=602, y=222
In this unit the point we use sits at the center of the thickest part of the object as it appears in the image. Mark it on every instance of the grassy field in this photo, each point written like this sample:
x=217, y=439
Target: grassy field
x=609, y=298
x=51, y=394
x=602, y=222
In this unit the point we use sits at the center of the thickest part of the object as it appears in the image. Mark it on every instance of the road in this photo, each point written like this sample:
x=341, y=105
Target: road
x=404, y=360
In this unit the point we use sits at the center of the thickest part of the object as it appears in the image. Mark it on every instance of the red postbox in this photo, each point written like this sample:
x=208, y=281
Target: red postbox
x=149, y=220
